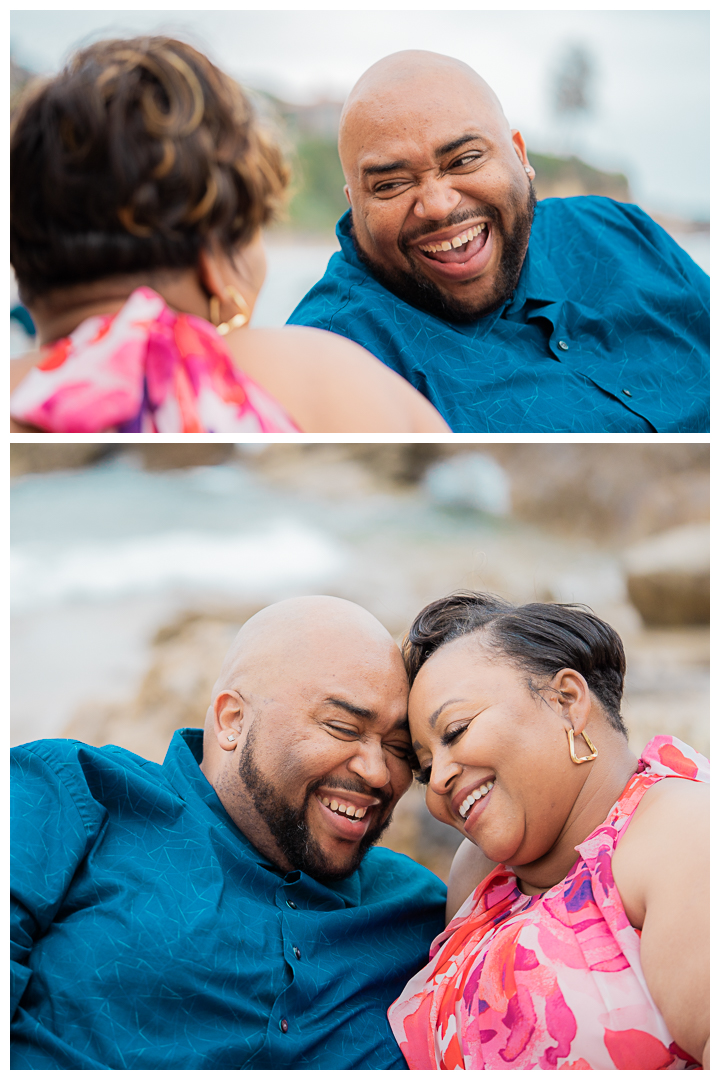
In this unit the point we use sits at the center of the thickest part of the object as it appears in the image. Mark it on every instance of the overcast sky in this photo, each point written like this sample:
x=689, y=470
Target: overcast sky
x=650, y=90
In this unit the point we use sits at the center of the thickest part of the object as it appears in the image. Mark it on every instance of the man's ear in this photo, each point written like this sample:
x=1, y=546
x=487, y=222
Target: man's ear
x=570, y=696
x=229, y=713
x=346, y=189
x=521, y=151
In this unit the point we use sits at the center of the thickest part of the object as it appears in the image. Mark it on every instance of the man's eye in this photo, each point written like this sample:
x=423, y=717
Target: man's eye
x=466, y=159
x=401, y=750
x=343, y=732
x=390, y=187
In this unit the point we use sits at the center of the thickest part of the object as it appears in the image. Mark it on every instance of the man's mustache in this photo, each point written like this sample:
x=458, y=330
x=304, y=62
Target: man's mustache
x=357, y=786
x=457, y=218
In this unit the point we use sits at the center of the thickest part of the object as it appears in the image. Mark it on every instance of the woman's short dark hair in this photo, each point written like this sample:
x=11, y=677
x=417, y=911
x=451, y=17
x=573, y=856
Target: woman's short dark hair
x=540, y=639
x=131, y=159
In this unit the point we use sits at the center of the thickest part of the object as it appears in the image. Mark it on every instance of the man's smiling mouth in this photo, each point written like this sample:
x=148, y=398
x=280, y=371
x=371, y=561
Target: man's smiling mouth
x=459, y=242
x=344, y=808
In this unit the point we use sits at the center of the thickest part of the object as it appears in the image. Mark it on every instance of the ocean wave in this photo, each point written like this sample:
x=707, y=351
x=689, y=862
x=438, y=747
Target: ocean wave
x=283, y=555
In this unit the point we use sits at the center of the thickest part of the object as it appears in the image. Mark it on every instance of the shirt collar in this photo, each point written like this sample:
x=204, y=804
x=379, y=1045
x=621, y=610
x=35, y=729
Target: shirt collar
x=538, y=282
x=182, y=768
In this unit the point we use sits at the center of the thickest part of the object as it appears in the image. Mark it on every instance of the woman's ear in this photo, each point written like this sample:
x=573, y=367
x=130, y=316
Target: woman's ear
x=572, y=697
x=210, y=272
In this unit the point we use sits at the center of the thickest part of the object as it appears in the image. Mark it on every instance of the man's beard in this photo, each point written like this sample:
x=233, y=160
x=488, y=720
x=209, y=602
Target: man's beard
x=289, y=826
x=416, y=289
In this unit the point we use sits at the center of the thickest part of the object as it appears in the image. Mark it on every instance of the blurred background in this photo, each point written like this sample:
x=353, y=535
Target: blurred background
x=610, y=102
x=133, y=567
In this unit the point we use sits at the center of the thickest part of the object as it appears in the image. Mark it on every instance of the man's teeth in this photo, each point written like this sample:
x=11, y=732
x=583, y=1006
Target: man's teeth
x=341, y=808
x=474, y=796
x=457, y=241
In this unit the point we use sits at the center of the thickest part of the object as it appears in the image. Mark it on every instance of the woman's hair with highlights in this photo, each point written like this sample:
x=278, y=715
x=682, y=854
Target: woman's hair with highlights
x=540, y=639
x=132, y=159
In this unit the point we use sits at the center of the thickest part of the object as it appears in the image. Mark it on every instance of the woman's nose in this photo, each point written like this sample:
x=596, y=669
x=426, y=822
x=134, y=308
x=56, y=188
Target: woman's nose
x=443, y=772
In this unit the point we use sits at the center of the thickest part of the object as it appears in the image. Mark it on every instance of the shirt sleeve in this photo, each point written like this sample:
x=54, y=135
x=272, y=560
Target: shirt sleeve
x=52, y=829
x=673, y=254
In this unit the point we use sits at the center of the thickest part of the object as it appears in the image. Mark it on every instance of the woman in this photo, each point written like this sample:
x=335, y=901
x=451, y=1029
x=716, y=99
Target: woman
x=582, y=937
x=140, y=181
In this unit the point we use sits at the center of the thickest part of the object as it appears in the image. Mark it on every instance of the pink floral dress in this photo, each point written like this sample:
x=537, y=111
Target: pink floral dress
x=145, y=369
x=551, y=981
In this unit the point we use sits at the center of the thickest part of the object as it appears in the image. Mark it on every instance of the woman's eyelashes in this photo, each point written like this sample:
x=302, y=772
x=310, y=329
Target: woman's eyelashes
x=423, y=775
x=451, y=734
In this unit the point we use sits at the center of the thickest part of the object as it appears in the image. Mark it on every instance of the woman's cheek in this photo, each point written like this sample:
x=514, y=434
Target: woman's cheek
x=440, y=809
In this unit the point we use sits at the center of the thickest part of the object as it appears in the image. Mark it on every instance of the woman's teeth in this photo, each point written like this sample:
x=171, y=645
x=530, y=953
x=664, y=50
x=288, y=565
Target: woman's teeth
x=342, y=808
x=474, y=796
x=456, y=242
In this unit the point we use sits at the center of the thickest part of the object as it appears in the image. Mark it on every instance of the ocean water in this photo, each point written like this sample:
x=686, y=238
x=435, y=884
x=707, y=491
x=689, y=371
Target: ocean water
x=102, y=557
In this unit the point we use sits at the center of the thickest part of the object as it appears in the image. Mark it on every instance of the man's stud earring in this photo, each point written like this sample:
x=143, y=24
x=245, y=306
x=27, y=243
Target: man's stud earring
x=231, y=737
x=528, y=170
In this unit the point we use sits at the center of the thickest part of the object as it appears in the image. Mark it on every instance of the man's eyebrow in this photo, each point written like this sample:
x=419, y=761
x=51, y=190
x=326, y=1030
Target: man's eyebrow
x=378, y=170
x=355, y=710
x=434, y=718
x=455, y=144
x=392, y=166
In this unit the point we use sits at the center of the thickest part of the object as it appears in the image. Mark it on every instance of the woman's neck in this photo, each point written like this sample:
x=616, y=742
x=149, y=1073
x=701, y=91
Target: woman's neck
x=606, y=780
x=57, y=313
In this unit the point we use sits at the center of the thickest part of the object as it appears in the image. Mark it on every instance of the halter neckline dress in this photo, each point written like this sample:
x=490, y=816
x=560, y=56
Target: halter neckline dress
x=145, y=369
x=549, y=981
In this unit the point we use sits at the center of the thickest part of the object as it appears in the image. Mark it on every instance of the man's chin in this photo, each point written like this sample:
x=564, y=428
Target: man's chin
x=418, y=290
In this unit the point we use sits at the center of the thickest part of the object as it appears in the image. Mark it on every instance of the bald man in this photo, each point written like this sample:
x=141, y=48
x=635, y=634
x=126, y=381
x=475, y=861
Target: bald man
x=224, y=910
x=569, y=315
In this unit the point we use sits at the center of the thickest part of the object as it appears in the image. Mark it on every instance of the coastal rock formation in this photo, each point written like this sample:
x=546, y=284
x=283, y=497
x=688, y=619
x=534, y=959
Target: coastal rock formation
x=668, y=577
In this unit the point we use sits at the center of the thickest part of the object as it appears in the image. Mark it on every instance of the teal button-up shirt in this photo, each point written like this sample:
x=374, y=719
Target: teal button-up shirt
x=148, y=933
x=607, y=330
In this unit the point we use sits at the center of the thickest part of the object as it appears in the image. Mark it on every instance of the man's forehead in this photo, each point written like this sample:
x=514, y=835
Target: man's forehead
x=376, y=138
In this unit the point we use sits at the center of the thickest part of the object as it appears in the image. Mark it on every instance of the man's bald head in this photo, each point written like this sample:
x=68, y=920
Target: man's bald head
x=405, y=83
x=284, y=638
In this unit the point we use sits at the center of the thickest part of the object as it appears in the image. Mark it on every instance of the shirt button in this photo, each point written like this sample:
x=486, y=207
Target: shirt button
x=563, y=345
x=284, y=1026
x=291, y=904
x=627, y=393
x=297, y=952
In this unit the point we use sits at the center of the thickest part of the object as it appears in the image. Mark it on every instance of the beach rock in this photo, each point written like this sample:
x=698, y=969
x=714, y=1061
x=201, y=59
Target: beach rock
x=470, y=481
x=46, y=457
x=668, y=577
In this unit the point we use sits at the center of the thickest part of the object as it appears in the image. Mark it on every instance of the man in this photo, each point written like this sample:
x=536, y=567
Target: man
x=578, y=315
x=223, y=911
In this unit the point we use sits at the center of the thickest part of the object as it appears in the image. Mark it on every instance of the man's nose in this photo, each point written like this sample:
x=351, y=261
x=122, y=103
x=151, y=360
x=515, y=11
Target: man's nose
x=370, y=763
x=437, y=199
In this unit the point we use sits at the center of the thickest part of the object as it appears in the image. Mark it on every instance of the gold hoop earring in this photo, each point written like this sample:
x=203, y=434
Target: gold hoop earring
x=242, y=317
x=579, y=760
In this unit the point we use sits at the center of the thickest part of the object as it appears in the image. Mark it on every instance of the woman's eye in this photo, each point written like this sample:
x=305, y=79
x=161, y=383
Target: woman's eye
x=452, y=734
x=423, y=775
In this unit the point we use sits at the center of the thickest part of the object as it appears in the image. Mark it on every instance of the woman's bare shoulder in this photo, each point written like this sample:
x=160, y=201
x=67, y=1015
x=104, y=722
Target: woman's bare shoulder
x=328, y=383
x=669, y=827
x=21, y=365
